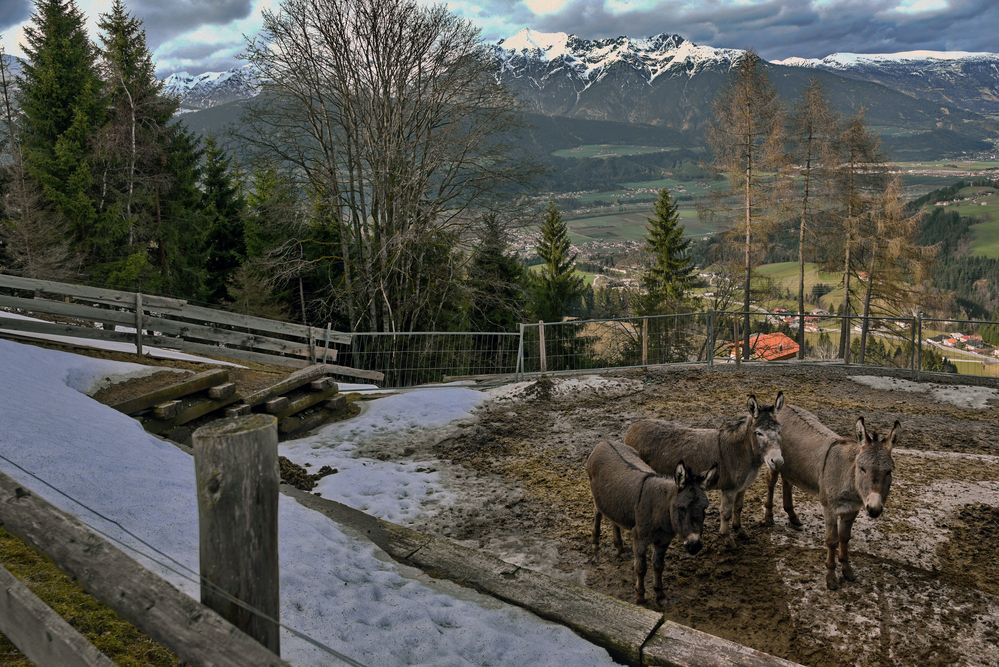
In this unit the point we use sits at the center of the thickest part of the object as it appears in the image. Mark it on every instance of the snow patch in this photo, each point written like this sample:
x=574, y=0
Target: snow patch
x=963, y=396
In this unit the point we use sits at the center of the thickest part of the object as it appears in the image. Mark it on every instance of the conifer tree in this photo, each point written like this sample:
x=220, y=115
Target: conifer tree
x=59, y=94
x=666, y=280
x=556, y=287
x=225, y=207
x=495, y=281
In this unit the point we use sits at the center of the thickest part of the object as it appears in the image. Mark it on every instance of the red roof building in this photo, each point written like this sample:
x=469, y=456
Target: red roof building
x=770, y=347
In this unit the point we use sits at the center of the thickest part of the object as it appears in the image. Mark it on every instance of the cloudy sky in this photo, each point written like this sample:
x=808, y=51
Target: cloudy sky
x=200, y=35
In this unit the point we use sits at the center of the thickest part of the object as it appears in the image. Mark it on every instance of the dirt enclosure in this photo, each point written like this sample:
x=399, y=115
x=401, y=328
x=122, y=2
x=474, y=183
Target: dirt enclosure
x=928, y=569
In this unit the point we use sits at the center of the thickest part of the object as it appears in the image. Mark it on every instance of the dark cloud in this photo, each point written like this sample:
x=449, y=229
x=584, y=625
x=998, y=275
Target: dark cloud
x=782, y=28
x=13, y=12
x=165, y=19
x=199, y=51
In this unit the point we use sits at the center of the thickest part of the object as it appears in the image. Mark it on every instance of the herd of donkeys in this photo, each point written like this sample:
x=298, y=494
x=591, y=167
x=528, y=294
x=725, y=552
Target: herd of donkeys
x=654, y=483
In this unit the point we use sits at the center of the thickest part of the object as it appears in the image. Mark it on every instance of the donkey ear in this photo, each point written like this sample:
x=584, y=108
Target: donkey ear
x=893, y=435
x=779, y=403
x=680, y=476
x=753, y=406
x=861, y=431
x=710, y=477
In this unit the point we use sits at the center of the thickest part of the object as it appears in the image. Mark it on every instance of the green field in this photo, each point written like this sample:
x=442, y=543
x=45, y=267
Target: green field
x=628, y=226
x=587, y=276
x=985, y=234
x=609, y=150
x=785, y=274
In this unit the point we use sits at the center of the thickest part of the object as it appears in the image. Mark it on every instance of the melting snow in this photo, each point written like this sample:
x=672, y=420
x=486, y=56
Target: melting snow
x=963, y=396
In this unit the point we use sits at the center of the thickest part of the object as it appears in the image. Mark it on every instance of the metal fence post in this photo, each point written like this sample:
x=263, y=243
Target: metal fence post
x=236, y=472
x=520, y=354
x=711, y=338
x=645, y=341
x=541, y=346
x=846, y=339
x=912, y=345
x=138, y=323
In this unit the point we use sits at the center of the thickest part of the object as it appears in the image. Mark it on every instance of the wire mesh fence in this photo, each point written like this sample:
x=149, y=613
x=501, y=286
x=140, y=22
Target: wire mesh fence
x=409, y=359
x=967, y=347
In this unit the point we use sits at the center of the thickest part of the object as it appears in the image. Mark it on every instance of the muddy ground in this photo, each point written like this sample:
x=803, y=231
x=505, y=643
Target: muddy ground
x=927, y=591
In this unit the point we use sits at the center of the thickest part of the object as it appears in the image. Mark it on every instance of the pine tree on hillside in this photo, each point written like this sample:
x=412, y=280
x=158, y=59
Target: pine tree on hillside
x=225, y=206
x=496, y=282
x=666, y=280
x=132, y=141
x=556, y=288
x=61, y=105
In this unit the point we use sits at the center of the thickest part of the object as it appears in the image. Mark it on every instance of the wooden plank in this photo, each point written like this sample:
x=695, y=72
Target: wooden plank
x=211, y=333
x=226, y=390
x=41, y=634
x=236, y=466
x=53, y=329
x=166, y=410
x=276, y=404
x=100, y=294
x=73, y=310
x=322, y=384
x=138, y=323
x=190, y=409
x=190, y=385
x=301, y=403
x=228, y=353
x=333, y=369
x=252, y=323
x=676, y=645
x=197, y=635
x=336, y=404
x=302, y=422
x=237, y=411
x=293, y=381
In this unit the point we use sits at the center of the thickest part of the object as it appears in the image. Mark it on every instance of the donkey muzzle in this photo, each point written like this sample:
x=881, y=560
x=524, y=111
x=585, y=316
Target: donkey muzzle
x=874, y=506
x=776, y=463
x=693, y=544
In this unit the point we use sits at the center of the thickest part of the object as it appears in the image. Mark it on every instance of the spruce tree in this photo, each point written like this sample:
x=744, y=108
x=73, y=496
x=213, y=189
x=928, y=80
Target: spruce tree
x=556, y=288
x=666, y=280
x=495, y=281
x=61, y=105
x=225, y=206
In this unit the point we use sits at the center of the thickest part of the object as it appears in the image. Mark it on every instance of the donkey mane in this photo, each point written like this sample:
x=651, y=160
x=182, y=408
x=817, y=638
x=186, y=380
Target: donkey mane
x=813, y=421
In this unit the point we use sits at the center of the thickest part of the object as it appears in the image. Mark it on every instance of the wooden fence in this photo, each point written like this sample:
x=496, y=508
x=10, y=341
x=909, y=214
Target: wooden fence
x=139, y=320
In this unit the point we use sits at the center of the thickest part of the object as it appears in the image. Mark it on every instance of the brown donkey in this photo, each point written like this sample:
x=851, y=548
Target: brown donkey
x=847, y=475
x=740, y=448
x=656, y=508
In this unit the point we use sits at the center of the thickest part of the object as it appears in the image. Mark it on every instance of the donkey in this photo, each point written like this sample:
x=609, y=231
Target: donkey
x=656, y=508
x=847, y=475
x=739, y=448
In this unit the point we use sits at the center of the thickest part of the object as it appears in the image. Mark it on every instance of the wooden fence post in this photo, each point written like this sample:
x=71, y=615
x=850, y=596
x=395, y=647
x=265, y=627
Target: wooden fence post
x=520, y=353
x=711, y=338
x=645, y=341
x=138, y=323
x=541, y=346
x=919, y=344
x=236, y=469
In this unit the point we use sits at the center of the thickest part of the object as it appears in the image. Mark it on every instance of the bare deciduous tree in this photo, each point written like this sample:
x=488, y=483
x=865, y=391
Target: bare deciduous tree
x=391, y=113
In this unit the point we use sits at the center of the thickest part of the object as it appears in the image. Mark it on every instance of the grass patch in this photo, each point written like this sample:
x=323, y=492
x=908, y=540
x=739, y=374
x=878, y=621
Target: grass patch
x=586, y=275
x=630, y=226
x=119, y=640
x=589, y=151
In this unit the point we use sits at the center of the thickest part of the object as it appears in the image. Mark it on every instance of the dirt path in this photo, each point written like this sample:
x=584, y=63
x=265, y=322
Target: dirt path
x=926, y=593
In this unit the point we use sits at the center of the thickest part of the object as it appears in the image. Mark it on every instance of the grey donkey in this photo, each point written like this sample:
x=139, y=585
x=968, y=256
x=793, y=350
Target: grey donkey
x=846, y=474
x=740, y=448
x=656, y=508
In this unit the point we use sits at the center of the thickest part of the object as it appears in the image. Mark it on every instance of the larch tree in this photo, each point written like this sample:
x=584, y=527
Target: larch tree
x=667, y=278
x=860, y=163
x=747, y=139
x=556, y=287
x=814, y=130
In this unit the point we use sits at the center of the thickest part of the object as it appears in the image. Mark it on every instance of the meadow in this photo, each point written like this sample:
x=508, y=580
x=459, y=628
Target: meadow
x=609, y=150
x=984, y=205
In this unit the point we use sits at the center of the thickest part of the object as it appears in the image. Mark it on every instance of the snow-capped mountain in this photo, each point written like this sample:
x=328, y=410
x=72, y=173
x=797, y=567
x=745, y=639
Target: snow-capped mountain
x=968, y=80
x=209, y=89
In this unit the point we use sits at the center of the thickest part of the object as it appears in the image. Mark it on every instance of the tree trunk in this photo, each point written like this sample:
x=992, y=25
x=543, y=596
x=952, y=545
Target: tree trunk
x=749, y=266
x=865, y=326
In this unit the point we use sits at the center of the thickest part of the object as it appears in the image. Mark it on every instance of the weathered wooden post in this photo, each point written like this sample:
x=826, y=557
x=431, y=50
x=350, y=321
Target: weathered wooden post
x=711, y=338
x=520, y=353
x=541, y=346
x=138, y=323
x=236, y=467
x=645, y=341
x=919, y=344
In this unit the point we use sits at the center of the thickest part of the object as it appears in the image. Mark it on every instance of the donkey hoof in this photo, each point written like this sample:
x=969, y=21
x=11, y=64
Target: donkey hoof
x=768, y=520
x=640, y=600
x=848, y=573
x=832, y=583
x=743, y=536
x=794, y=521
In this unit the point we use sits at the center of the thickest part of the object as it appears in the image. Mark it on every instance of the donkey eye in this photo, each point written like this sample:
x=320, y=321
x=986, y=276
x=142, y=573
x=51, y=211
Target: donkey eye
x=863, y=469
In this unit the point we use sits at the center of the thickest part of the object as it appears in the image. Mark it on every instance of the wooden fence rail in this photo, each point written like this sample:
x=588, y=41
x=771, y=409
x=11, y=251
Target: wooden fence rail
x=146, y=320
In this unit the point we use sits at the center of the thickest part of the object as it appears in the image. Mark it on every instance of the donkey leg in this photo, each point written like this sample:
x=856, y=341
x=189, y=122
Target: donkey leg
x=832, y=541
x=788, y=499
x=596, y=536
x=768, y=516
x=727, y=504
x=740, y=497
x=658, y=564
x=618, y=542
x=845, y=528
x=640, y=548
